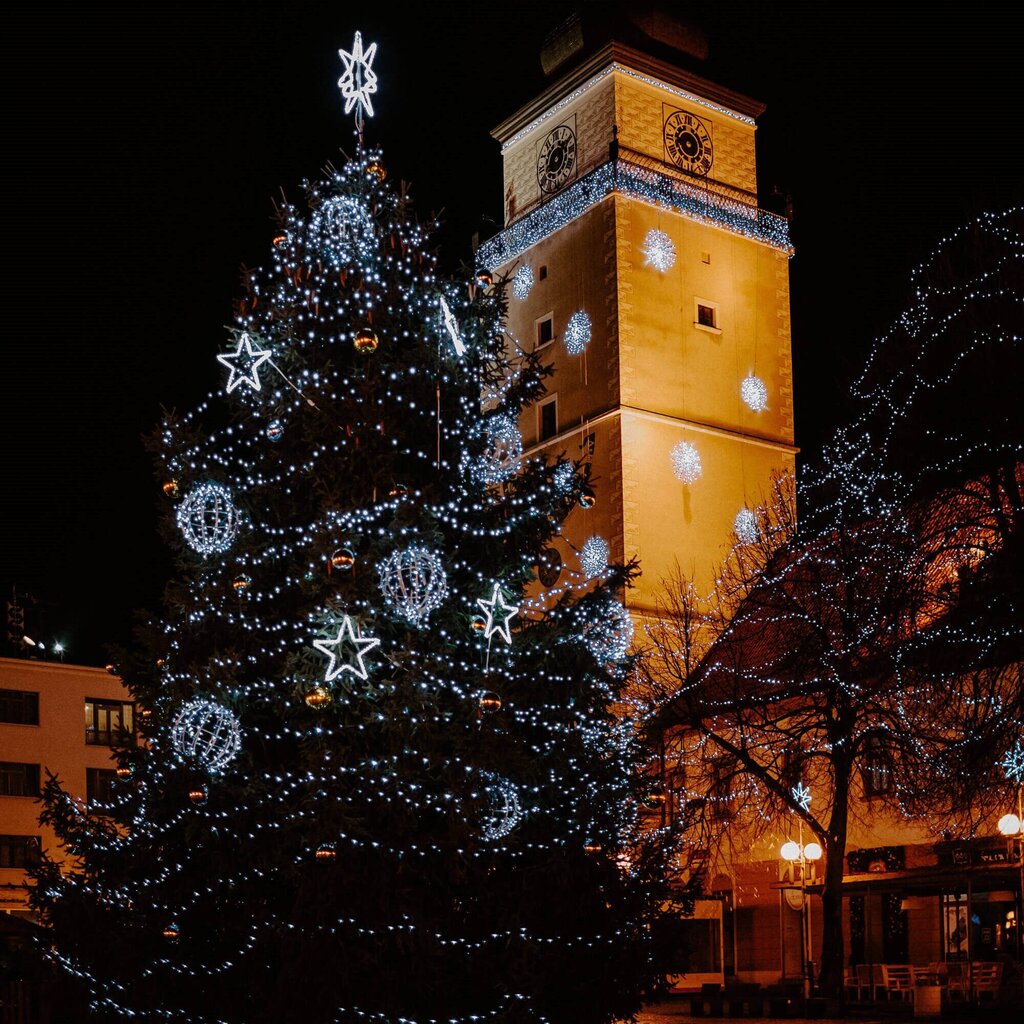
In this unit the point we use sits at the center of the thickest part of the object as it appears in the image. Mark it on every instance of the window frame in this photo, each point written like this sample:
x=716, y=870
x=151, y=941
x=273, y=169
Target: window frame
x=29, y=847
x=10, y=697
x=99, y=786
x=715, y=326
x=96, y=737
x=545, y=403
x=546, y=318
x=7, y=772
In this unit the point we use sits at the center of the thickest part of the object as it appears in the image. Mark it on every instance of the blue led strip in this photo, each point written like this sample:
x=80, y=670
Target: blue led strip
x=629, y=179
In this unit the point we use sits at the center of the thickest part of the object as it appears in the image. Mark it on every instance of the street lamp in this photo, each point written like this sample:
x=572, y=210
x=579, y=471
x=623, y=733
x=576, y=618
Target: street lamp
x=799, y=857
x=1012, y=827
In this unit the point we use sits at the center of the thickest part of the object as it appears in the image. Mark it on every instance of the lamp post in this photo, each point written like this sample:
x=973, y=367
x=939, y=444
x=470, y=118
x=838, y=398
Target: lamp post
x=799, y=857
x=1012, y=827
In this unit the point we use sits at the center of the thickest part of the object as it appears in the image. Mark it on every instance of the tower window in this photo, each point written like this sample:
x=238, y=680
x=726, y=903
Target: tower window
x=705, y=316
x=543, y=272
x=547, y=418
x=545, y=330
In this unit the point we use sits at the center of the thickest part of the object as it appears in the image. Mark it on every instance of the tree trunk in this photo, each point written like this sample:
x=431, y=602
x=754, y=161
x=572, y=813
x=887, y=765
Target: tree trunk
x=830, y=976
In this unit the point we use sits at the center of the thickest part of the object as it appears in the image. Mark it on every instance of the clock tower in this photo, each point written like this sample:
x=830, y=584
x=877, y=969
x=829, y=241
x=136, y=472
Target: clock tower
x=643, y=268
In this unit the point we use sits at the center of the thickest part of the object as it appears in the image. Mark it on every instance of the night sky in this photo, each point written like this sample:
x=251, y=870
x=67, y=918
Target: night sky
x=144, y=143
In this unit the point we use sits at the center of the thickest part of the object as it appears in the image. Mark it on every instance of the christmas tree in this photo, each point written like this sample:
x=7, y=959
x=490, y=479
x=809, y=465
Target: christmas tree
x=383, y=775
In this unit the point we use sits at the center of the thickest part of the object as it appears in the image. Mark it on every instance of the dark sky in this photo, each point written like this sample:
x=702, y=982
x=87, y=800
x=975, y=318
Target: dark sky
x=143, y=143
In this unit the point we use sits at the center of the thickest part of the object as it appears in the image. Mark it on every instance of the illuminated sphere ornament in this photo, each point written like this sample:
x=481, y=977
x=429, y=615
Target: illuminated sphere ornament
x=413, y=582
x=123, y=771
x=658, y=250
x=577, y=333
x=686, y=462
x=198, y=795
x=208, y=519
x=754, y=393
x=171, y=488
x=490, y=702
x=172, y=932
x=343, y=559
x=522, y=281
x=325, y=853
x=366, y=340
x=317, y=698
x=275, y=430
x=478, y=623
x=503, y=450
x=501, y=811
x=241, y=583
x=377, y=170
x=281, y=241
x=342, y=231
x=745, y=525
x=484, y=278
x=587, y=499
x=594, y=557
x=398, y=492
x=590, y=846
x=207, y=734
x=609, y=633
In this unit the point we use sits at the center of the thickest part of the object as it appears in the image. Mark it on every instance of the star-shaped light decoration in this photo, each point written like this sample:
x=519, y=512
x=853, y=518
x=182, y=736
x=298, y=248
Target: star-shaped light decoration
x=1013, y=763
x=499, y=615
x=358, y=81
x=252, y=359
x=801, y=796
x=348, y=636
x=451, y=325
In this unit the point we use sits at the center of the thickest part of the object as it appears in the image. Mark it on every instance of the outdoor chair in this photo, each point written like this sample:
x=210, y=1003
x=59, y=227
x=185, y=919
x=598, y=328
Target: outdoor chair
x=898, y=981
x=986, y=978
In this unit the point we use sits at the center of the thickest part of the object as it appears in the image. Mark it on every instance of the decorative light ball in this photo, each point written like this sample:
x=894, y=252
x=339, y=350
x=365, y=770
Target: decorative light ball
x=366, y=340
x=171, y=488
x=241, y=583
x=197, y=795
x=594, y=557
x=745, y=526
x=206, y=733
x=754, y=393
x=342, y=231
x=503, y=450
x=318, y=697
x=790, y=851
x=479, y=623
x=325, y=853
x=208, y=519
x=281, y=240
x=484, y=278
x=343, y=559
x=564, y=477
x=490, y=702
x=658, y=250
x=275, y=430
x=587, y=498
x=123, y=771
x=522, y=281
x=501, y=812
x=686, y=462
x=171, y=932
x=398, y=492
x=413, y=582
x=608, y=635
x=577, y=333
x=590, y=846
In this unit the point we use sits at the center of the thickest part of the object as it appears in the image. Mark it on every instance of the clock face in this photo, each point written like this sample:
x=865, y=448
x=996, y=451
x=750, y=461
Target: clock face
x=557, y=158
x=688, y=142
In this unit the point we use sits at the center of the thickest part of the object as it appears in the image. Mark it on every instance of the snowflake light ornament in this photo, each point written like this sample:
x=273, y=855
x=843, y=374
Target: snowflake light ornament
x=252, y=359
x=745, y=526
x=754, y=393
x=686, y=463
x=349, y=636
x=499, y=615
x=1013, y=763
x=577, y=333
x=801, y=796
x=358, y=81
x=594, y=557
x=522, y=281
x=658, y=250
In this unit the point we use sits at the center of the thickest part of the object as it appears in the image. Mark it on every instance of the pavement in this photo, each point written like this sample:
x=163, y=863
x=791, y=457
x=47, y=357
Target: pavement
x=677, y=1011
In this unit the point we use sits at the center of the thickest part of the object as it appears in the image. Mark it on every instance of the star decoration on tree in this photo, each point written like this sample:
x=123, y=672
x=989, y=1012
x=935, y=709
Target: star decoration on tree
x=451, y=325
x=348, y=636
x=358, y=81
x=1013, y=763
x=499, y=615
x=801, y=796
x=251, y=358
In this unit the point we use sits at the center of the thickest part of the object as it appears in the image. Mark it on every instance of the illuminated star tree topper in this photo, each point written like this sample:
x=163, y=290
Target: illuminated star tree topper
x=358, y=81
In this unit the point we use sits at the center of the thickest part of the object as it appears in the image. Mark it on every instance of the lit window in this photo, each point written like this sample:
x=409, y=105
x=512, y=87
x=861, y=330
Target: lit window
x=109, y=723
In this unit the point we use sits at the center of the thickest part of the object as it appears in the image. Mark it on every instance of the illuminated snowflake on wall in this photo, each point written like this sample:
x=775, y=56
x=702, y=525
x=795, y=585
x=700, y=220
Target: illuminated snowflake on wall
x=342, y=231
x=686, y=463
x=658, y=250
x=1013, y=763
x=745, y=525
x=754, y=393
x=522, y=281
x=413, y=582
x=208, y=519
x=577, y=333
x=594, y=557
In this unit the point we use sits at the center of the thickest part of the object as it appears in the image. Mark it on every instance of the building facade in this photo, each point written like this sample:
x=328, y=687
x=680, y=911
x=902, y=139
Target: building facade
x=58, y=719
